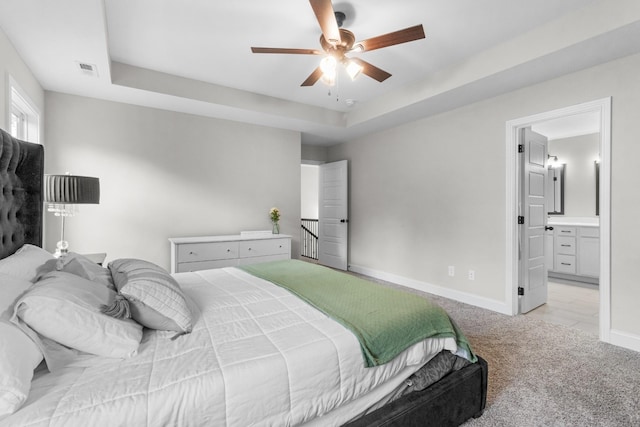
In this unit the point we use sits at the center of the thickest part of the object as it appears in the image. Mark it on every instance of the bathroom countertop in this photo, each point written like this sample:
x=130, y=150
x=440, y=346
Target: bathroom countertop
x=575, y=221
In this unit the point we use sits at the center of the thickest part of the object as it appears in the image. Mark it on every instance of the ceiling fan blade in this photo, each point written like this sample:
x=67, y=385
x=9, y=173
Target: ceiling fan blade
x=313, y=78
x=371, y=70
x=285, y=50
x=390, y=39
x=327, y=20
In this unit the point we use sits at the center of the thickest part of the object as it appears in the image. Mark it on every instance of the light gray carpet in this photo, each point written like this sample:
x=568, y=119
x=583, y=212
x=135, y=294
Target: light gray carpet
x=541, y=374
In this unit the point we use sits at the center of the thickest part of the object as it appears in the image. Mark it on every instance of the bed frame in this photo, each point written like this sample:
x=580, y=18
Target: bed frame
x=451, y=401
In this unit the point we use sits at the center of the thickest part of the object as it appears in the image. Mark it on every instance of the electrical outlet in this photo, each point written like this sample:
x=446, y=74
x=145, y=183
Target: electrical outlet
x=452, y=271
x=472, y=275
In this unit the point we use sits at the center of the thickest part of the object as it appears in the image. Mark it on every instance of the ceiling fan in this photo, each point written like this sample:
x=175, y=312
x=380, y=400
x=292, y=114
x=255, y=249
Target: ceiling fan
x=337, y=42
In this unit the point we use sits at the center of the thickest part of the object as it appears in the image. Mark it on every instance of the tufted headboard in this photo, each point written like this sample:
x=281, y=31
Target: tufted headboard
x=21, y=171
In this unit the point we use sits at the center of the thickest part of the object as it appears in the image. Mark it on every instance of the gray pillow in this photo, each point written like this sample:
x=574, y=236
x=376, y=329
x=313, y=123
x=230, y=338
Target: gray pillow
x=155, y=298
x=82, y=266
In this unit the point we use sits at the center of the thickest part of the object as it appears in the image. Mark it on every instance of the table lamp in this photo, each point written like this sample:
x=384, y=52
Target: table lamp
x=63, y=193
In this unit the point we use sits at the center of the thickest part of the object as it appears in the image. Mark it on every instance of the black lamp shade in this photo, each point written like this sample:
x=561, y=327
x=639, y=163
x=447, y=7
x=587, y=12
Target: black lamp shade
x=71, y=189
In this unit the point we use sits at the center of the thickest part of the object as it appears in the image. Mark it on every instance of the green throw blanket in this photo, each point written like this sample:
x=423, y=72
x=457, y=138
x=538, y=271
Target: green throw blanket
x=386, y=321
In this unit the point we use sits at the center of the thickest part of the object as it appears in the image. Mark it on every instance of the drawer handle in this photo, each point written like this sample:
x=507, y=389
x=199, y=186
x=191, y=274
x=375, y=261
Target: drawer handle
x=192, y=253
x=566, y=246
x=228, y=250
x=249, y=248
x=565, y=231
x=565, y=263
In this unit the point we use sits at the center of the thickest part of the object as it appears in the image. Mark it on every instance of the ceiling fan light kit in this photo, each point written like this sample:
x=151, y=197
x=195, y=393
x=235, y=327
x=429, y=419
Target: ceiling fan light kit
x=328, y=66
x=353, y=69
x=336, y=42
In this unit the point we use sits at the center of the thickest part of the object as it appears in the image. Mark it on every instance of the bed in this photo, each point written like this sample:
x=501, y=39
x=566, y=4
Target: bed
x=237, y=348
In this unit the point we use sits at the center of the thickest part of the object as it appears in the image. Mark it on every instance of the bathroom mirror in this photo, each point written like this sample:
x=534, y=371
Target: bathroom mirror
x=597, y=188
x=555, y=189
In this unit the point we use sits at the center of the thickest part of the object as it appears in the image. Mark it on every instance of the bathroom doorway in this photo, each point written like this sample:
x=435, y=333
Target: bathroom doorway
x=599, y=231
x=572, y=235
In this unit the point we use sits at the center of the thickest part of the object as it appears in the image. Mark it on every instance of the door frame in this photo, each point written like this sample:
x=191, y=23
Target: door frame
x=603, y=107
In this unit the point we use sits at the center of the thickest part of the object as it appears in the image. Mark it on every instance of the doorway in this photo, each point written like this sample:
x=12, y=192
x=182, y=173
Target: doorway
x=602, y=109
x=325, y=222
x=573, y=221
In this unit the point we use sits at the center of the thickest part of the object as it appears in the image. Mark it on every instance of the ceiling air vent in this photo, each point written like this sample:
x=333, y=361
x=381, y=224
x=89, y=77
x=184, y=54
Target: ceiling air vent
x=88, y=69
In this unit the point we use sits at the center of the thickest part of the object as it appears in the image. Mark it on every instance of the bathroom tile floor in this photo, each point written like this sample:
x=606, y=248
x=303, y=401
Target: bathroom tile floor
x=572, y=304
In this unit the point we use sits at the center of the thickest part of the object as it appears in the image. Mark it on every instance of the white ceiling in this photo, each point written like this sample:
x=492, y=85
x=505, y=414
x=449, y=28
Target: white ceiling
x=569, y=126
x=194, y=56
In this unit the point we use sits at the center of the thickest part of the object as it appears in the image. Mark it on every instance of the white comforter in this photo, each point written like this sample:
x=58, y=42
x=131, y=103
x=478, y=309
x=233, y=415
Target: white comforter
x=257, y=356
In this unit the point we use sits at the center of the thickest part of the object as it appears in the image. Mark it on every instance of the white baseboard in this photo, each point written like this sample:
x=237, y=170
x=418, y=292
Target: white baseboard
x=624, y=339
x=475, y=300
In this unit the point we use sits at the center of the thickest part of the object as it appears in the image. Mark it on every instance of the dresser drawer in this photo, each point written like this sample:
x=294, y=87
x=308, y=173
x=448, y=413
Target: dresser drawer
x=267, y=247
x=192, y=252
x=566, y=245
x=565, y=231
x=207, y=252
x=259, y=259
x=205, y=265
x=565, y=264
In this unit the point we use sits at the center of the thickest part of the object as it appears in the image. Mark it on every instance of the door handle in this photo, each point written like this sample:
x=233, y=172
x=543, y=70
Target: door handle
x=344, y=220
x=546, y=227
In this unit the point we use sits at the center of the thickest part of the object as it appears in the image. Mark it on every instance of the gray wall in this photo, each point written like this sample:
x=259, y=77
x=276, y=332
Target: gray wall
x=579, y=154
x=432, y=193
x=314, y=154
x=166, y=174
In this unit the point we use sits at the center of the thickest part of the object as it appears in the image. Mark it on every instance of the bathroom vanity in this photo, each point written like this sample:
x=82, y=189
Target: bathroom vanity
x=573, y=249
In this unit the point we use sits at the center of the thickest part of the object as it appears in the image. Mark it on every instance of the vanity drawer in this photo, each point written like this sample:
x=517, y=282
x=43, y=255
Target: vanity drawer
x=259, y=248
x=565, y=231
x=566, y=245
x=589, y=232
x=565, y=264
x=192, y=252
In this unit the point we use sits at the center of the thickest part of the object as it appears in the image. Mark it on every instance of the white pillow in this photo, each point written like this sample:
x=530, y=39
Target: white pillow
x=10, y=289
x=65, y=308
x=19, y=356
x=155, y=298
x=80, y=266
x=25, y=262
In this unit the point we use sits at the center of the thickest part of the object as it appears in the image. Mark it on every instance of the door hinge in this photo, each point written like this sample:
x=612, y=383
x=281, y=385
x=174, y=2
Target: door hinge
x=520, y=290
x=520, y=148
x=520, y=220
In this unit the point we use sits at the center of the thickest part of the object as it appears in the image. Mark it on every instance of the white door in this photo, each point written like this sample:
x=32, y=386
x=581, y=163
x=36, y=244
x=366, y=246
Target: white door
x=533, y=211
x=333, y=221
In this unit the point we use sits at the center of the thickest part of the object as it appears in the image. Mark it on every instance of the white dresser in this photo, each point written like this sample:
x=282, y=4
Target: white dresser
x=205, y=252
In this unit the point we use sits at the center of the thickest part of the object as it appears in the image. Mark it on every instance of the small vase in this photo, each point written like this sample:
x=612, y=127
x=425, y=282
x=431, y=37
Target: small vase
x=276, y=228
